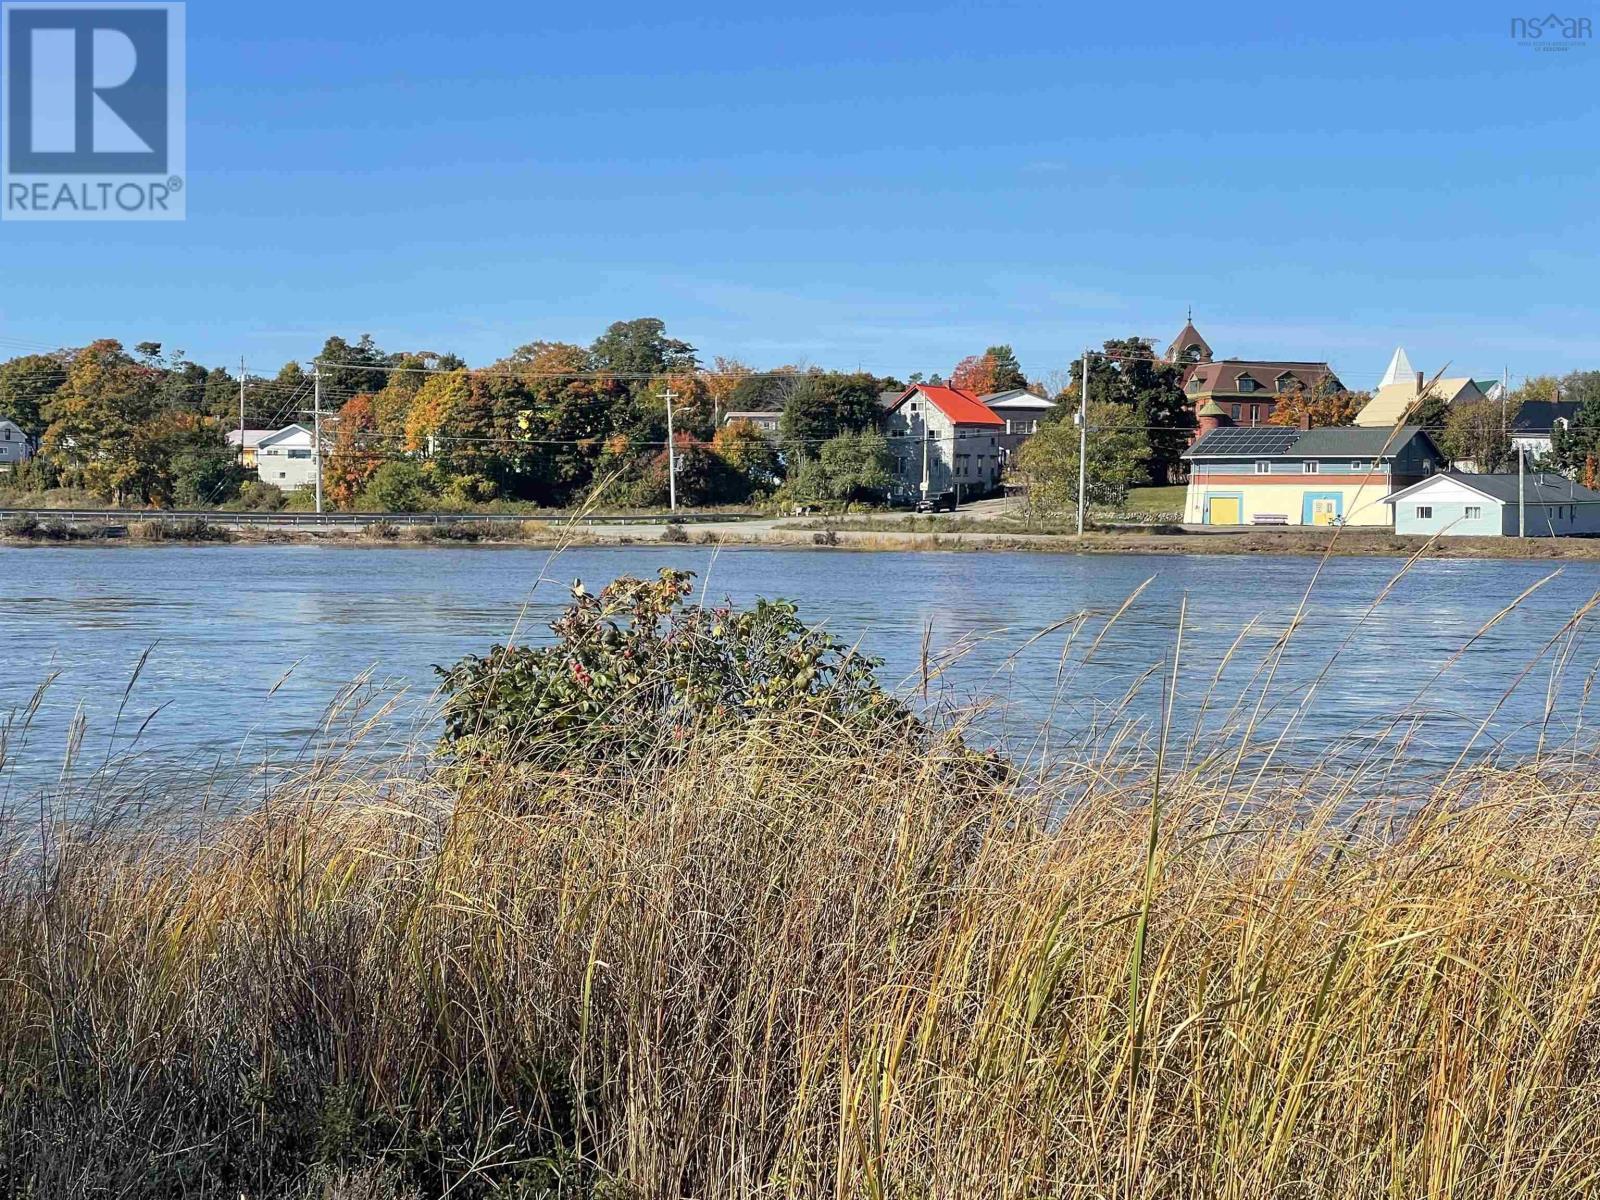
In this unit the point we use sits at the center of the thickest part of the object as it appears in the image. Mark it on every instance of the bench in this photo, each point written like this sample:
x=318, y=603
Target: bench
x=1269, y=519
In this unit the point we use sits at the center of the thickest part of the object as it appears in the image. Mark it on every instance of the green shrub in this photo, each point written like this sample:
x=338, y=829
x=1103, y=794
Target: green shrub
x=637, y=669
x=260, y=496
x=397, y=487
x=20, y=525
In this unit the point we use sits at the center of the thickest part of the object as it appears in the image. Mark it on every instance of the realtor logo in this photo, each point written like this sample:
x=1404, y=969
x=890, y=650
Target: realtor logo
x=92, y=112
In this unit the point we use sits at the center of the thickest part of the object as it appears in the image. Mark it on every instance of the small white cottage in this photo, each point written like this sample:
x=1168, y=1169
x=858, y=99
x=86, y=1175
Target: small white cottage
x=1459, y=504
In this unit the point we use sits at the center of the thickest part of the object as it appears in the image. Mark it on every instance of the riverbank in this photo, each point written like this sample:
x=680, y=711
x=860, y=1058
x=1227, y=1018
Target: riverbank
x=905, y=535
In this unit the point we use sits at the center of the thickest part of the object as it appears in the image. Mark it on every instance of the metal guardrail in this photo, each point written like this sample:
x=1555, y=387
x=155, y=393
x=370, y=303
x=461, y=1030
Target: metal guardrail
x=302, y=520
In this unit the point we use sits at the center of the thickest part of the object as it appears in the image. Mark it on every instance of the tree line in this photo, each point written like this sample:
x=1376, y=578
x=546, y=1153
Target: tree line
x=555, y=424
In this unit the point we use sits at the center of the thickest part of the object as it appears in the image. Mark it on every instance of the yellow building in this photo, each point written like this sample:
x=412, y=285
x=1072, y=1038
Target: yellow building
x=1279, y=475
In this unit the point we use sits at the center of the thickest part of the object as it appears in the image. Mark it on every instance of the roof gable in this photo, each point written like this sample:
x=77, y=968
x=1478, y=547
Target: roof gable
x=958, y=404
x=1016, y=398
x=287, y=433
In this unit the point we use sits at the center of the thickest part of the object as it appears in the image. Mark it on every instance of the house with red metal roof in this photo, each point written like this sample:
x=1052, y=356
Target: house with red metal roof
x=944, y=439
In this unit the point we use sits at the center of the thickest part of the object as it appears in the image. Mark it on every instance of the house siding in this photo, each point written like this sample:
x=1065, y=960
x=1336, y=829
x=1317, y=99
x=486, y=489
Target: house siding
x=14, y=446
x=1450, y=517
x=964, y=458
x=1359, y=499
x=285, y=460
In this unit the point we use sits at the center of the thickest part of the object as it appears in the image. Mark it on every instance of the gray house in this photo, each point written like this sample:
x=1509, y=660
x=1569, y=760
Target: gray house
x=1022, y=411
x=943, y=439
x=14, y=447
x=1458, y=504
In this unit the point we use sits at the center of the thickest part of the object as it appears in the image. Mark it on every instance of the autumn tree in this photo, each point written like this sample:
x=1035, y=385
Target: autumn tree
x=95, y=417
x=357, y=452
x=749, y=454
x=975, y=374
x=722, y=384
x=1322, y=406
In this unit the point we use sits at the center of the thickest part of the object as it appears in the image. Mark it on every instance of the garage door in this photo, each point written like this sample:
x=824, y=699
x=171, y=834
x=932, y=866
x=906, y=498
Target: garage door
x=1224, y=510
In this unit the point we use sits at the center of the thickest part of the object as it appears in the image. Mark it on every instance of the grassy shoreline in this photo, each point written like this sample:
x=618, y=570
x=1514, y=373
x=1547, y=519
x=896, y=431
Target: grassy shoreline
x=538, y=535
x=755, y=968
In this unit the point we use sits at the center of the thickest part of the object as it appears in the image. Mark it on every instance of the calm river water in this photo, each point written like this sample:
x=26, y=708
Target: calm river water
x=248, y=646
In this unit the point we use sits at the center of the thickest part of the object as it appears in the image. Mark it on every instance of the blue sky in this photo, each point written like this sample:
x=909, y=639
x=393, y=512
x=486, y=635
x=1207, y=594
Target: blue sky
x=890, y=189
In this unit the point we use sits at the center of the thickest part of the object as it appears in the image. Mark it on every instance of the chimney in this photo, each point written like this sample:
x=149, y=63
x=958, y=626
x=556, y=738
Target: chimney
x=1305, y=420
x=1419, y=383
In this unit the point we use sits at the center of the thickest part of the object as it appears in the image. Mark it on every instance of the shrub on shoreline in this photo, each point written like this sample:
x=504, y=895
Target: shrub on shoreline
x=178, y=529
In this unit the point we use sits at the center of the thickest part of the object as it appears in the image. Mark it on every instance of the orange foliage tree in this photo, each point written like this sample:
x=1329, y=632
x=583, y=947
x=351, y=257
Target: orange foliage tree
x=356, y=454
x=1324, y=404
x=975, y=373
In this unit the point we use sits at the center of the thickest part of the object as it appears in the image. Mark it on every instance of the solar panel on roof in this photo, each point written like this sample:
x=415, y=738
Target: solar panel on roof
x=1249, y=440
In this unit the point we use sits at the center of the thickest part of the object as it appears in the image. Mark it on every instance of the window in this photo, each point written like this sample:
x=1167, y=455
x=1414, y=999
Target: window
x=1357, y=465
x=1263, y=467
x=1310, y=466
x=1246, y=384
x=1474, y=512
x=1255, y=414
x=1285, y=381
x=1235, y=412
x=1424, y=512
x=299, y=454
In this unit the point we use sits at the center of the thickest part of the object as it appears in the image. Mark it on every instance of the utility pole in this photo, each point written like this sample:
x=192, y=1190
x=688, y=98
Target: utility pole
x=926, y=435
x=1505, y=386
x=316, y=432
x=1522, y=523
x=672, y=453
x=1083, y=439
x=241, y=410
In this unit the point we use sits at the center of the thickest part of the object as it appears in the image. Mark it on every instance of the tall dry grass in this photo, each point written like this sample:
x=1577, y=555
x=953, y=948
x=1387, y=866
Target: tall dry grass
x=778, y=964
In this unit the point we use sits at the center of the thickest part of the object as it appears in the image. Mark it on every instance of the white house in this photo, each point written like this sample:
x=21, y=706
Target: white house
x=14, y=447
x=284, y=458
x=1458, y=504
x=1534, y=426
x=1019, y=408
